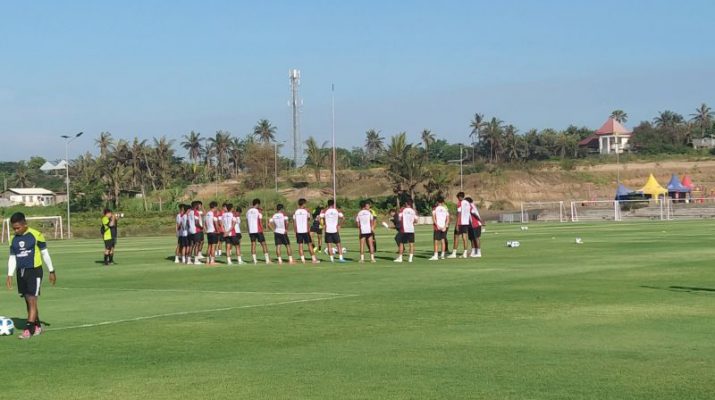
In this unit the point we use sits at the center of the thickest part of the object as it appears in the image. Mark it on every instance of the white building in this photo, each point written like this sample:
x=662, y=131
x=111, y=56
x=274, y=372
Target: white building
x=613, y=137
x=30, y=196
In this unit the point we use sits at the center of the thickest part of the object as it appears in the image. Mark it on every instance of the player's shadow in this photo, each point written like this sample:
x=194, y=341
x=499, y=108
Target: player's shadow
x=681, y=289
x=21, y=322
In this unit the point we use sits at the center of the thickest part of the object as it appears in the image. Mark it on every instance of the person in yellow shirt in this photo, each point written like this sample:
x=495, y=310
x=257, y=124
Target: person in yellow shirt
x=109, y=234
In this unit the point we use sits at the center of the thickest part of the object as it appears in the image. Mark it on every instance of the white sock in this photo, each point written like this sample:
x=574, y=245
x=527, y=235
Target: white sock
x=464, y=254
x=332, y=258
x=290, y=259
x=255, y=260
x=454, y=252
x=435, y=254
x=362, y=257
x=410, y=259
x=268, y=258
x=341, y=258
x=302, y=259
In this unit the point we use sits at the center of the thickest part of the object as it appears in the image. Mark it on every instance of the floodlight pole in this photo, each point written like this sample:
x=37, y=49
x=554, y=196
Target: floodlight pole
x=68, y=140
x=461, y=169
x=275, y=164
x=332, y=102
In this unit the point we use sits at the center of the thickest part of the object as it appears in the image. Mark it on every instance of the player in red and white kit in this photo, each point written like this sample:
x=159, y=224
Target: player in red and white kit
x=254, y=217
x=333, y=218
x=301, y=221
x=440, y=223
x=476, y=229
x=211, y=228
x=366, y=226
x=408, y=218
x=279, y=223
x=464, y=223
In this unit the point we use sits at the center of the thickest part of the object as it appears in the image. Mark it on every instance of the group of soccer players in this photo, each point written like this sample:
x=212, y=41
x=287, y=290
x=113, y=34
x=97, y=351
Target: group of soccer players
x=221, y=229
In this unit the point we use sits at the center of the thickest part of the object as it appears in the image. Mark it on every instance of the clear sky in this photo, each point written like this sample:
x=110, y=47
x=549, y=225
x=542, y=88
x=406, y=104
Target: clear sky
x=153, y=68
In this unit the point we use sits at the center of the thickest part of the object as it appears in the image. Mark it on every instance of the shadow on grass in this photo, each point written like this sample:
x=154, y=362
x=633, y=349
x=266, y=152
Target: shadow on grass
x=681, y=289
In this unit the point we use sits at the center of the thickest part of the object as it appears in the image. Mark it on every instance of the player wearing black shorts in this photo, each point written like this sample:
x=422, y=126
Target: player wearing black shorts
x=28, y=251
x=317, y=228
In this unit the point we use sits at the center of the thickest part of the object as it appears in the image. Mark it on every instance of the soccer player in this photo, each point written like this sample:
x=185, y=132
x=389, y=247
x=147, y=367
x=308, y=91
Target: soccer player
x=366, y=228
x=254, y=216
x=28, y=250
x=232, y=232
x=301, y=219
x=464, y=222
x=192, y=219
x=199, y=213
x=440, y=219
x=317, y=227
x=210, y=223
x=219, y=228
x=279, y=223
x=395, y=219
x=332, y=218
x=109, y=234
x=475, y=231
x=374, y=216
x=181, y=233
x=408, y=219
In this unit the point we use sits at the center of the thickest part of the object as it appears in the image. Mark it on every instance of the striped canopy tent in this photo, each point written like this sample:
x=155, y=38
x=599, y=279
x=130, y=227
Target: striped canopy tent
x=653, y=188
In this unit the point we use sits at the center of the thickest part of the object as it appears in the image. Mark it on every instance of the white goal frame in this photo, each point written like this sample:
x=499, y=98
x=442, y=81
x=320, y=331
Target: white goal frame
x=526, y=206
x=57, y=233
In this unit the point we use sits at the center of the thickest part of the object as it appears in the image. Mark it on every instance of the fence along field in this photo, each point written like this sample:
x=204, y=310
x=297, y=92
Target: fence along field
x=617, y=210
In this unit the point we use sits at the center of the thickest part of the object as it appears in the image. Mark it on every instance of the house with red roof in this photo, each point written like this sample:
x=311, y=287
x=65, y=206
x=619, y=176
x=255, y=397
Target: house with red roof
x=610, y=138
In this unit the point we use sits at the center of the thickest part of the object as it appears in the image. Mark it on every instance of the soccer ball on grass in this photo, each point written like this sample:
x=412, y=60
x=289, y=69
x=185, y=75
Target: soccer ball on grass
x=7, y=327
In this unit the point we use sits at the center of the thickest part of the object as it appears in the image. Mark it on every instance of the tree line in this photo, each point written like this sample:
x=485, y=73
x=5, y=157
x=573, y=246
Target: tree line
x=143, y=166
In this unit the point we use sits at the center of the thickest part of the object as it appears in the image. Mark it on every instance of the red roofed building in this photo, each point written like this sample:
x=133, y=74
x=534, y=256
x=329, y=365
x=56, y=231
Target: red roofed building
x=610, y=138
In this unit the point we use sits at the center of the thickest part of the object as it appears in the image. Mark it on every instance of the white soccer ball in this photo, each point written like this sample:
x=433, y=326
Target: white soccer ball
x=513, y=243
x=385, y=225
x=7, y=327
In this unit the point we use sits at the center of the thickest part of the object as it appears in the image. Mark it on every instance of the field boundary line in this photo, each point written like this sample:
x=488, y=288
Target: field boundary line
x=183, y=313
x=203, y=291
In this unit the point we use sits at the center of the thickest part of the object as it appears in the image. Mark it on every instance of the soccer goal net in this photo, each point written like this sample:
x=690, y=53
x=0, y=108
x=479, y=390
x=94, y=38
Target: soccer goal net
x=595, y=210
x=537, y=211
x=693, y=208
x=49, y=226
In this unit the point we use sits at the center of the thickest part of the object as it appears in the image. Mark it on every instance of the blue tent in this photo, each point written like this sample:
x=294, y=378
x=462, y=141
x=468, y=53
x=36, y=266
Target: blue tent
x=622, y=192
x=674, y=186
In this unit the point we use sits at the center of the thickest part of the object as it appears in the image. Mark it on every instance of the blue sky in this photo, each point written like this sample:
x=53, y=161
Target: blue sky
x=153, y=68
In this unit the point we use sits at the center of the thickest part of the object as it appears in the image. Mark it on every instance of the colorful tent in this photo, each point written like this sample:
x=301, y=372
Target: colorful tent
x=623, y=192
x=687, y=182
x=674, y=186
x=653, y=188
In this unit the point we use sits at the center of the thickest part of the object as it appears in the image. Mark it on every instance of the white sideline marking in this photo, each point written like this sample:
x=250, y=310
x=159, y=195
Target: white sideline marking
x=204, y=291
x=181, y=313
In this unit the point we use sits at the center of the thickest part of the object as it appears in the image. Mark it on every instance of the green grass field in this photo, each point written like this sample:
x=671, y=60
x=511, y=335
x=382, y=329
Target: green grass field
x=629, y=314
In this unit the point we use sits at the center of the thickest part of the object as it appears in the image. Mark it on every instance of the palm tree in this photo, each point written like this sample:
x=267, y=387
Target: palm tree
x=374, y=144
x=668, y=119
x=477, y=124
x=164, y=158
x=427, y=139
x=264, y=131
x=492, y=134
x=103, y=142
x=22, y=175
x=235, y=154
x=513, y=143
x=192, y=143
x=703, y=117
x=221, y=143
x=620, y=116
x=316, y=156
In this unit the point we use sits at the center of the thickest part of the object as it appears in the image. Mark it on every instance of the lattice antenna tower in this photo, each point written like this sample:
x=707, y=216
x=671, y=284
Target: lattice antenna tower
x=296, y=105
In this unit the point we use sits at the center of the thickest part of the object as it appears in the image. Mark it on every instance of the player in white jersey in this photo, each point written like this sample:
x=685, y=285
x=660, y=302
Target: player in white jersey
x=181, y=235
x=440, y=223
x=301, y=221
x=408, y=219
x=464, y=222
x=210, y=227
x=254, y=218
x=332, y=218
x=366, y=227
x=232, y=232
x=475, y=231
x=279, y=223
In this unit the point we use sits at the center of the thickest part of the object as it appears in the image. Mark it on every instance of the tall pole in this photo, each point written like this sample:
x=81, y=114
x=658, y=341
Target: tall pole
x=275, y=163
x=332, y=101
x=461, y=169
x=68, y=140
x=295, y=104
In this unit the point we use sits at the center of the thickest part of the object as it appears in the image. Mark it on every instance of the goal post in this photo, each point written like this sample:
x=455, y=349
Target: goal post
x=595, y=210
x=49, y=226
x=543, y=211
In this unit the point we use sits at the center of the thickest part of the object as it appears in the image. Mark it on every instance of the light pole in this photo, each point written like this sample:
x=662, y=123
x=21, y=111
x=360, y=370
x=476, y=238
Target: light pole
x=461, y=167
x=275, y=162
x=68, y=139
